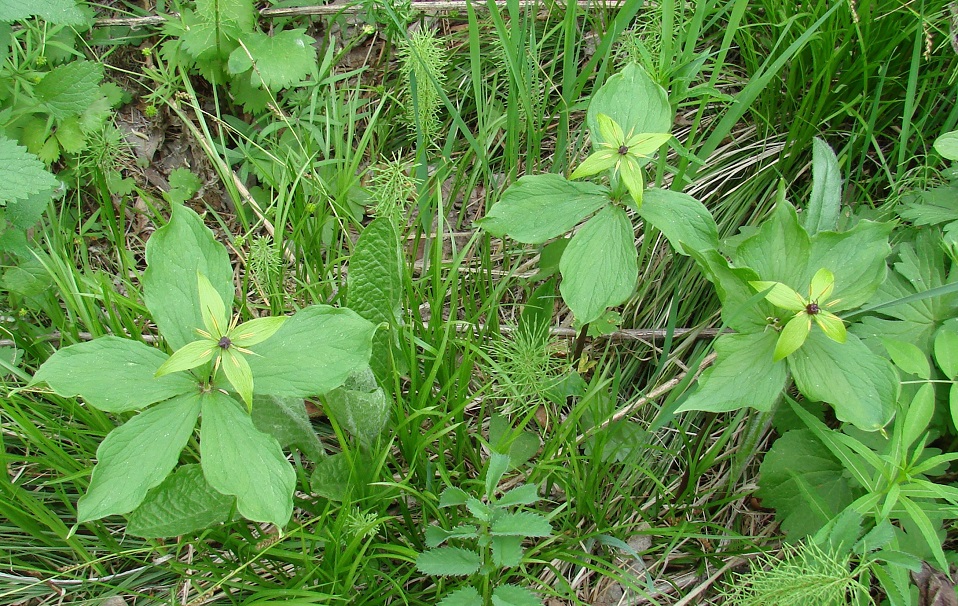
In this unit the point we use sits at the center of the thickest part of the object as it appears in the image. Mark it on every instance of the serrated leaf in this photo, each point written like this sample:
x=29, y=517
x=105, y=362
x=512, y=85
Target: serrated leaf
x=22, y=175
x=183, y=185
x=175, y=254
x=313, y=353
x=448, y=561
x=513, y=595
x=682, y=219
x=213, y=29
x=240, y=460
x=182, y=504
x=453, y=497
x=742, y=359
x=286, y=420
x=464, y=596
x=70, y=136
x=25, y=213
x=112, y=374
x=29, y=277
x=437, y=535
x=521, y=524
x=137, y=456
x=825, y=202
x=55, y=12
x=69, y=89
x=525, y=494
x=804, y=483
x=599, y=266
x=908, y=357
x=506, y=551
x=278, y=61
x=479, y=509
x=537, y=208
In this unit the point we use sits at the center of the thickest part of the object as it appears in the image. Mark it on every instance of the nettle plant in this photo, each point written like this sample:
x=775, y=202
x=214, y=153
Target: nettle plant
x=629, y=119
x=221, y=373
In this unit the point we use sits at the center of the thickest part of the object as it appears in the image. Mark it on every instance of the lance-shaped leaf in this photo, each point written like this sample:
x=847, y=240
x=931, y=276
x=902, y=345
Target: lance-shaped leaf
x=832, y=326
x=130, y=365
x=780, y=295
x=256, y=331
x=189, y=356
x=238, y=373
x=213, y=310
x=240, y=460
x=137, y=456
x=792, y=336
x=631, y=174
x=596, y=162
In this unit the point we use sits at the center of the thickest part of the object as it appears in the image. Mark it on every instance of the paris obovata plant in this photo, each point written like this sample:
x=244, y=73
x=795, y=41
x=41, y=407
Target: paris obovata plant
x=221, y=374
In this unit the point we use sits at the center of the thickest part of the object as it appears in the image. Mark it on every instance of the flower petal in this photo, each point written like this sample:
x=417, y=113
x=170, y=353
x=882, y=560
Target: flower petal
x=631, y=174
x=189, y=356
x=645, y=144
x=596, y=163
x=792, y=336
x=215, y=318
x=239, y=374
x=255, y=331
x=832, y=326
x=780, y=295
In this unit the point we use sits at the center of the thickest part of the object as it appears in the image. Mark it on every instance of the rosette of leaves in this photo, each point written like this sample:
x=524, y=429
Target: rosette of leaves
x=775, y=337
x=629, y=118
x=281, y=361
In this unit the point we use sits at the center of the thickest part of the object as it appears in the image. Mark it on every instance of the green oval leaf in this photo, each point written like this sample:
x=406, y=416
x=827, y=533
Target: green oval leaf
x=684, y=221
x=183, y=503
x=634, y=101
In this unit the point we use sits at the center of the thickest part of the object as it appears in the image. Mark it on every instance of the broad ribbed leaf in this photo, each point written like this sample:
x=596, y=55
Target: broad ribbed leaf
x=513, y=595
x=599, y=266
x=70, y=89
x=182, y=504
x=946, y=350
x=908, y=358
x=682, y=219
x=521, y=524
x=634, y=101
x=360, y=406
x=857, y=260
x=826, y=198
x=313, y=353
x=137, y=456
x=281, y=60
x=112, y=374
x=286, y=420
x=537, y=208
x=240, y=460
x=506, y=551
x=176, y=253
x=448, y=561
x=779, y=251
x=22, y=175
x=55, y=12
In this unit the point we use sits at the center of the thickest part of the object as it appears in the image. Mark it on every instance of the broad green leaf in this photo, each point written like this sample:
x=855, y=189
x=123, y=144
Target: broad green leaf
x=24, y=213
x=448, y=561
x=175, y=254
x=513, y=595
x=375, y=289
x=360, y=406
x=599, y=267
x=947, y=145
x=55, y=12
x=29, y=277
x=69, y=89
x=506, y=551
x=112, y=374
x=825, y=203
x=213, y=29
x=780, y=295
x=22, y=175
x=537, y=208
x=908, y=358
x=137, y=456
x=182, y=504
x=240, y=460
x=330, y=478
x=832, y=326
x=744, y=374
x=779, y=251
x=521, y=524
x=953, y=403
x=436, y=535
x=464, y=596
x=524, y=494
x=281, y=60
x=238, y=373
x=212, y=308
x=312, y=353
x=946, y=350
x=928, y=530
x=189, y=356
x=860, y=385
x=918, y=415
x=793, y=336
x=804, y=483
x=857, y=260
x=595, y=163
x=256, y=331
x=682, y=219
x=743, y=309
x=286, y=420
x=634, y=101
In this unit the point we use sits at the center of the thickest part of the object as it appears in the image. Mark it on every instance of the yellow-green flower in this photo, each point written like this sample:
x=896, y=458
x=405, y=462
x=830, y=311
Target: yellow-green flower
x=815, y=307
x=226, y=343
x=622, y=154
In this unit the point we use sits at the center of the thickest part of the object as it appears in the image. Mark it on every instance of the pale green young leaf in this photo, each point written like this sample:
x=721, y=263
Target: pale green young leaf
x=537, y=208
x=238, y=373
x=631, y=174
x=480, y=510
x=681, y=218
x=69, y=89
x=908, y=357
x=599, y=266
x=437, y=535
x=182, y=504
x=112, y=374
x=946, y=350
x=464, y=596
x=189, y=356
x=793, y=336
x=175, y=253
x=645, y=144
x=256, y=331
x=743, y=359
x=524, y=494
x=610, y=132
x=137, y=456
x=278, y=61
x=312, y=353
x=212, y=308
x=513, y=595
x=953, y=403
x=240, y=460
x=780, y=295
x=918, y=415
x=826, y=197
x=22, y=175
x=448, y=561
x=823, y=282
x=595, y=163
x=831, y=325
x=521, y=524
